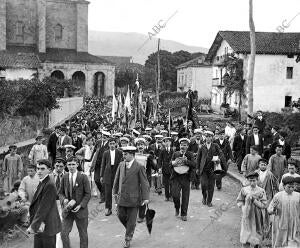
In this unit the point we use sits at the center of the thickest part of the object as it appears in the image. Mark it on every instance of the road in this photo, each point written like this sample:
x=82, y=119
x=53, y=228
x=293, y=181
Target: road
x=218, y=226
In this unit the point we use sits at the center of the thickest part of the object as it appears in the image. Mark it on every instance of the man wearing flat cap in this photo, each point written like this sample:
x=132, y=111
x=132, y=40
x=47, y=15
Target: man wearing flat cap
x=131, y=190
x=182, y=164
x=205, y=167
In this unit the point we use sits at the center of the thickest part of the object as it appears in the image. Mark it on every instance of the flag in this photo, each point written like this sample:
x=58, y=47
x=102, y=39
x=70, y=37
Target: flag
x=114, y=106
x=120, y=106
x=127, y=104
x=189, y=116
x=170, y=120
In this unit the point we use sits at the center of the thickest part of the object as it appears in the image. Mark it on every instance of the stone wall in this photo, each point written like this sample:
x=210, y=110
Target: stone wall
x=64, y=14
x=24, y=11
x=16, y=129
x=89, y=71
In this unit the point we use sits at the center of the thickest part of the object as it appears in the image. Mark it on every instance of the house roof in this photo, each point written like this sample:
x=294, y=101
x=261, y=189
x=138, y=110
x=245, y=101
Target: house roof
x=70, y=56
x=29, y=57
x=10, y=59
x=266, y=43
x=196, y=62
x=117, y=59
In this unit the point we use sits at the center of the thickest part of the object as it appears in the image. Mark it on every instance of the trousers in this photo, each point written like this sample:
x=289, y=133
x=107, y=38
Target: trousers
x=128, y=216
x=181, y=186
x=167, y=185
x=82, y=225
x=207, y=180
x=44, y=241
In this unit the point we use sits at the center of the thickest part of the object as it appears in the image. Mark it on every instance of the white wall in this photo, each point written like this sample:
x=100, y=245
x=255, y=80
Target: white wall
x=270, y=85
x=68, y=107
x=202, y=77
x=14, y=74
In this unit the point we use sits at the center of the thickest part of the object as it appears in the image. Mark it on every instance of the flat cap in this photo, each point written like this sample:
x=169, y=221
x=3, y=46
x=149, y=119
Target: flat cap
x=184, y=140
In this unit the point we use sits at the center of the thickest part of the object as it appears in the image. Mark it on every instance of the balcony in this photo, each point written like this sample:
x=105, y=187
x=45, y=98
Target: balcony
x=216, y=82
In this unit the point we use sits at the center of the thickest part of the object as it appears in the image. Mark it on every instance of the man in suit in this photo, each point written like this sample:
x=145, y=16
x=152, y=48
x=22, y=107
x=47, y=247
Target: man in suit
x=205, y=167
x=44, y=217
x=255, y=139
x=63, y=140
x=76, y=141
x=181, y=182
x=74, y=195
x=260, y=122
x=226, y=149
x=51, y=146
x=275, y=134
x=164, y=162
x=239, y=147
x=131, y=189
x=102, y=146
x=110, y=162
x=194, y=146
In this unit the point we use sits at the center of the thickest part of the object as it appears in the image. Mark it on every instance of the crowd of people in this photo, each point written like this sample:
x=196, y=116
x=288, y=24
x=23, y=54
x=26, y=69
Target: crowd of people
x=93, y=154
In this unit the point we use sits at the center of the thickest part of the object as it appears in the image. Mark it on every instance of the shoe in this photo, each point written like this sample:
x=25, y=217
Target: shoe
x=241, y=172
x=176, y=212
x=183, y=218
x=209, y=205
x=101, y=201
x=108, y=212
x=167, y=199
x=203, y=201
x=126, y=244
x=140, y=220
x=219, y=188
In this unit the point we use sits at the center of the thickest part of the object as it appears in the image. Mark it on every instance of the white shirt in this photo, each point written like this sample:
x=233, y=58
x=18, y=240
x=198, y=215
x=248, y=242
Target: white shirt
x=242, y=136
x=129, y=164
x=221, y=142
x=262, y=175
x=256, y=139
x=74, y=177
x=62, y=139
x=208, y=146
x=281, y=142
x=112, y=157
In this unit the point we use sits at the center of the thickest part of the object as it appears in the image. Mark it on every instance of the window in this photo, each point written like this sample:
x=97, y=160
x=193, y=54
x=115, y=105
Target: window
x=290, y=56
x=58, y=32
x=20, y=29
x=288, y=101
x=289, y=72
x=2, y=73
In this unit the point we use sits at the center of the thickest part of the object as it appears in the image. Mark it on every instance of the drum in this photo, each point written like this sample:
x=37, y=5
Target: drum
x=180, y=166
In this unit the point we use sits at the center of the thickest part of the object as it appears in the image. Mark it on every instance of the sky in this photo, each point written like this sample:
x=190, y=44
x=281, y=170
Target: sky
x=194, y=22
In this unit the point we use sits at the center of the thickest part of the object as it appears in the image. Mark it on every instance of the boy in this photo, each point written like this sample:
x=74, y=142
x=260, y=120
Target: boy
x=277, y=163
x=12, y=168
x=38, y=151
x=250, y=161
x=29, y=184
x=286, y=207
x=253, y=201
x=291, y=173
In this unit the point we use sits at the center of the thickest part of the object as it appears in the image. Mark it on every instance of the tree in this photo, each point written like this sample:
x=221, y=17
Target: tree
x=251, y=62
x=168, y=63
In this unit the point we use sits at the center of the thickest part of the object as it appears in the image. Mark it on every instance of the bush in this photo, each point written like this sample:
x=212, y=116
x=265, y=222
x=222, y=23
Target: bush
x=31, y=97
x=288, y=122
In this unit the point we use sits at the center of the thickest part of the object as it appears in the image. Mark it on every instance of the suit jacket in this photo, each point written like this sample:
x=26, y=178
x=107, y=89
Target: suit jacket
x=239, y=146
x=261, y=124
x=155, y=150
x=81, y=193
x=164, y=161
x=193, y=146
x=131, y=185
x=43, y=208
x=66, y=141
x=190, y=163
x=77, y=143
x=107, y=171
x=226, y=149
x=250, y=142
x=96, y=167
x=205, y=156
x=51, y=146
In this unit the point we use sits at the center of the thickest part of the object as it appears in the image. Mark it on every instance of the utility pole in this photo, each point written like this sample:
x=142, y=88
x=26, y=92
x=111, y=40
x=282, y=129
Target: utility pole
x=158, y=78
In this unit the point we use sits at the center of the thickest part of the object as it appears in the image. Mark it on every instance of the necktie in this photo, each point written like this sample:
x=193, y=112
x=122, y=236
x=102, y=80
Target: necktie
x=57, y=183
x=71, y=185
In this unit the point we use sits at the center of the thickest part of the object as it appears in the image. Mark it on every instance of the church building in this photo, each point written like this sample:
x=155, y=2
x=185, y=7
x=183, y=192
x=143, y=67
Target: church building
x=49, y=38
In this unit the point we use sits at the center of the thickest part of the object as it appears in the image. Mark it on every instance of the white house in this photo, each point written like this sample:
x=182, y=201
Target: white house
x=195, y=75
x=276, y=80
